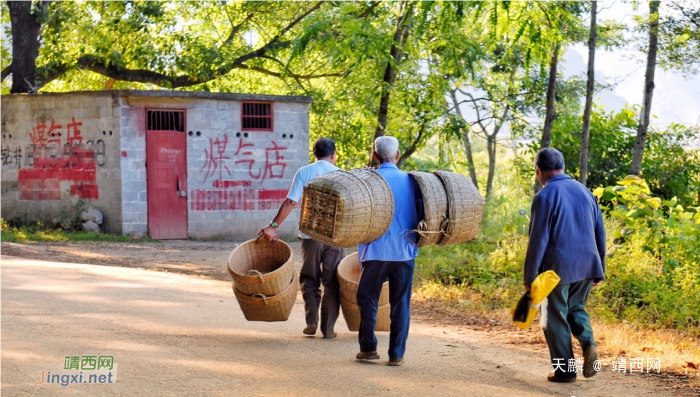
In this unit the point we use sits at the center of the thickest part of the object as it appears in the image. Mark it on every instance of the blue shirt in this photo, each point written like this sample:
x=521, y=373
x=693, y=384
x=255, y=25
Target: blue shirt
x=303, y=176
x=567, y=234
x=398, y=243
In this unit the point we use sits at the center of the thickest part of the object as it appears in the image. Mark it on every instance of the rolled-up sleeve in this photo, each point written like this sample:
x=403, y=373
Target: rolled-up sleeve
x=539, y=238
x=600, y=239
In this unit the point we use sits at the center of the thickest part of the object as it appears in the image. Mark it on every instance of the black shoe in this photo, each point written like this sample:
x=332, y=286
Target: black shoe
x=330, y=335
x=395, y=362
x=310, y=330
x=590, y=356
x=553, y=378
x=367, y=356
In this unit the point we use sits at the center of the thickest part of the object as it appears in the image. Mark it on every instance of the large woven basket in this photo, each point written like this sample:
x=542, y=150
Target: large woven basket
x=346, y=208
x=430, y=229
x=261, y=267
x=351, y=313
x=259, y=307
x=349, y=271
x=465, y=207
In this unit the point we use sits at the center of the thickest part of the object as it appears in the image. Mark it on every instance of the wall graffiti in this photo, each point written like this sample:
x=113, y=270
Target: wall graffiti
x=52, y=157
x=239, y=195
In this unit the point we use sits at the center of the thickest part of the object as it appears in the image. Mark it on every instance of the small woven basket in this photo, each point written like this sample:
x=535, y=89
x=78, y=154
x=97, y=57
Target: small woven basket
x=351, y=313
x=346, y=208
x=465, y=208
x=430, y=229
x=261, y=267
x=259, y=307
x=349, y=271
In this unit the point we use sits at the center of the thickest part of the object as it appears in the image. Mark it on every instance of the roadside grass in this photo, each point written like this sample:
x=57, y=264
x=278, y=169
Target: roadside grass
x=41, y=233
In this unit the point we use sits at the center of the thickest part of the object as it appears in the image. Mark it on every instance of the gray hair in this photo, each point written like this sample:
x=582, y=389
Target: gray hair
x=549, y=159
x=386, y=148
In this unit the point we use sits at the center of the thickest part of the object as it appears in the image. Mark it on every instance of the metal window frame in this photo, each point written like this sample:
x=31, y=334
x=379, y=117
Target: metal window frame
x=178, y=110
x=271, y=116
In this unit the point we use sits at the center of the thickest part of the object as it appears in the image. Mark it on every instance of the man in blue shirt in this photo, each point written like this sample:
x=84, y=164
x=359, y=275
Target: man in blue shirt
x=320, y=261
x=391, y=256
x=567, y=236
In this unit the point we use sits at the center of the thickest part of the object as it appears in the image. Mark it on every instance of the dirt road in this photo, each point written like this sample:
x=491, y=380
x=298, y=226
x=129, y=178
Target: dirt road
x=184, y=335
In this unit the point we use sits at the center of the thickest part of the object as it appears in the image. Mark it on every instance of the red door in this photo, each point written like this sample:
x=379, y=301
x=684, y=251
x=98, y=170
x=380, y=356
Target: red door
x=166, y=173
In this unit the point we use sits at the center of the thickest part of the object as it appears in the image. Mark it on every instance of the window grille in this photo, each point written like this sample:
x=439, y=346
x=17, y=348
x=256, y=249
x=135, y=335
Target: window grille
x=166, y=120
x=257, y=116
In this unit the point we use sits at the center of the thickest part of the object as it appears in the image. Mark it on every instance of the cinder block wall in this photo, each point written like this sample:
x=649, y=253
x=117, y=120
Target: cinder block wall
x=236, y=179
x=38, y=184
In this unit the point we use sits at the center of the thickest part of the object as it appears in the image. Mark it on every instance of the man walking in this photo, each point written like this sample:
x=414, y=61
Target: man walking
x=567, y=236
x=391, y=256
x=319, y=260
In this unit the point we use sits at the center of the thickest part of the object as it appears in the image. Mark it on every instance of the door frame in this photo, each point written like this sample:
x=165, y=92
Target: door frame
x=148, y=195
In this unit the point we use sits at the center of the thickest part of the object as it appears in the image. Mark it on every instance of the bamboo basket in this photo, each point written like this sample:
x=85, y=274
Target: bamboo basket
x=347, y=208
x=261, y=267
x=430, y=229
x=349, y=271
x=351, y=313
x=259, y=307
x=465, y=207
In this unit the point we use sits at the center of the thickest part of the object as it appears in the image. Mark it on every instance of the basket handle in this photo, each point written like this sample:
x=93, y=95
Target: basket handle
x=254, y=273
x=264, y=298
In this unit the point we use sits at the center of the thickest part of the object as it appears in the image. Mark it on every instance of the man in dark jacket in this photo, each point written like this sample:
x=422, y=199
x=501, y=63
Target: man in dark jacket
x=567, y=235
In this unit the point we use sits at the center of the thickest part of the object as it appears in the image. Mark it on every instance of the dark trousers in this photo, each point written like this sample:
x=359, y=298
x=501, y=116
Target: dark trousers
x=400, y=275
x=566, y=316
x=319, y=267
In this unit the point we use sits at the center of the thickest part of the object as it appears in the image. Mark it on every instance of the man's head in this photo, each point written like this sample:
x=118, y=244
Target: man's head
x=386, y=149
x=324, y=149
x=548, y=162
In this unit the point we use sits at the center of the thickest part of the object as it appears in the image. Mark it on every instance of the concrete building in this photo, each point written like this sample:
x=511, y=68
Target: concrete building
x=169, y=163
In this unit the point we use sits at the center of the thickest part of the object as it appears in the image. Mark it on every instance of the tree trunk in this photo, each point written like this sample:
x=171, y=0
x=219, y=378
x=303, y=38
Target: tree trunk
x=465, y=139
x=25, y=46
x=491, y=141
x=403, y=25
x=549, y=112
x=638, y=156
x=585, y=133
x=491, y=148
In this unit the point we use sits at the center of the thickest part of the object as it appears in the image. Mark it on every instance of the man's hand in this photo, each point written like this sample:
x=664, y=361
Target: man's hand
x=268, y=232
x=598, y=283
x=527, y=288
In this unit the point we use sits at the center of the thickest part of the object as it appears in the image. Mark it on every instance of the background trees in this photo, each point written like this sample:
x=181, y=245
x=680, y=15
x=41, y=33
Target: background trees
x=461, y=84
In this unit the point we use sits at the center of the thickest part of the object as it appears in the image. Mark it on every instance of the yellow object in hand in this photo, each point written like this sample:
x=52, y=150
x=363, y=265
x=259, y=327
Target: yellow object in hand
x=539, y=290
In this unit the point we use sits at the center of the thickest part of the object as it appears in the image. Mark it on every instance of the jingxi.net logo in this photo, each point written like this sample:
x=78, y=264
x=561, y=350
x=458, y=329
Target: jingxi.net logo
x=85, y=369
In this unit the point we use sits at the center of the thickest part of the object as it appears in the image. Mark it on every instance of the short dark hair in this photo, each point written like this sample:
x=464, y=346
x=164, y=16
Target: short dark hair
x=323, y=147
x=549, y=159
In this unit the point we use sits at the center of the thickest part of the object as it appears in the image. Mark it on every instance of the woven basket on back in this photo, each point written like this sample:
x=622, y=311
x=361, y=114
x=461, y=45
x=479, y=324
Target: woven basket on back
x=349, y=276
x=346, y=208
x=261, y=267
x=465, y=207
x=351, y=313
x=259, y=307
x=430, y=229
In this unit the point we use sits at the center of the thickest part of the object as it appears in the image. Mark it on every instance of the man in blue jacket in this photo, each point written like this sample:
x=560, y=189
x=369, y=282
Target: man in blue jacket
x=391, y=256
x=567, y=235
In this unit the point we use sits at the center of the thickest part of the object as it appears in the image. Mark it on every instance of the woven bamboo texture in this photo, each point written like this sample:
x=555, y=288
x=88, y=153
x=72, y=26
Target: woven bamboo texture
x=465, y=207
x=430, y=229
x=259, y=307
x=349, y=271
x=261, y=267
x=351, y=313
x=346, y=208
